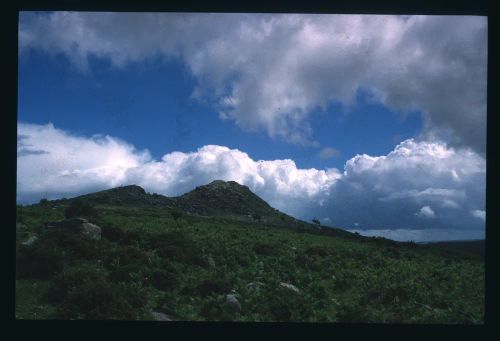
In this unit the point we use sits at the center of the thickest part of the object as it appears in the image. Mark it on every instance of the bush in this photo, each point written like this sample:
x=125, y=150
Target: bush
x=126, y=255
x=316, y=251
x=179, y=246
x=266, y=249
x=79, y=208
x=215, y=285
x=284, y=306
x=163, y=280
x=176, y=214
x=39, y=261
x=76, y=246
x=126, y=272
x=85, y=293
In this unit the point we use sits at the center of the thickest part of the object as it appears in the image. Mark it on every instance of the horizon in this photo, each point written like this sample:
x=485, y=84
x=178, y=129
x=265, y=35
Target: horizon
x=367, y=122
x=366, y=233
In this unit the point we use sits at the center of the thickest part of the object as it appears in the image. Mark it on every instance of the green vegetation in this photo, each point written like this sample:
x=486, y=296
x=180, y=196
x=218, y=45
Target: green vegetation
x=144, y=262
x=79, y=208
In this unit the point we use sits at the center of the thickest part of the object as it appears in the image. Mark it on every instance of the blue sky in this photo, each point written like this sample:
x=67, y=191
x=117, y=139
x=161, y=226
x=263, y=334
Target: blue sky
x=365, y=122
x=151, y=107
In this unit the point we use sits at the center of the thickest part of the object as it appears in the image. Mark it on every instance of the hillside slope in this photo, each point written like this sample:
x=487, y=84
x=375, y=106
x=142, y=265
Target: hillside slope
x=213, y=265
x=218, y=198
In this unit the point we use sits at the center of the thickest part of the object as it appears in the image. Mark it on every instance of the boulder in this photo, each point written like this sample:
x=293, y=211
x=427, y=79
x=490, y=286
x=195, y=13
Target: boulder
x=91, y=230
x=211, y=261
x=30, y=240
x=21, y=227
x=290, y=287
x=254, y=285
x=80, y=225
x=157, y=316
x=232, y=303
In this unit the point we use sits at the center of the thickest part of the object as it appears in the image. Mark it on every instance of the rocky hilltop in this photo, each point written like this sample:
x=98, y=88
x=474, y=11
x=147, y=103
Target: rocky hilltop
x=218, y=198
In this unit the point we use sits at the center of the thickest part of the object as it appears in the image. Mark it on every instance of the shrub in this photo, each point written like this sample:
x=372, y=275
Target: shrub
x=79, y=208
x=266, y=249
x=176, y=214
x=163, y=280
x=214, y=285
x=85, y=293
x=213, y=309
x=179, y=246
x=316, y=251
x=284, y=306
x=39, y=261
x=126, y=272
x=130, y=255
x=76, y=246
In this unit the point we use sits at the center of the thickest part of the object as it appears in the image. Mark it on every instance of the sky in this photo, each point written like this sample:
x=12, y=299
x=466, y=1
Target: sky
x=375, y=124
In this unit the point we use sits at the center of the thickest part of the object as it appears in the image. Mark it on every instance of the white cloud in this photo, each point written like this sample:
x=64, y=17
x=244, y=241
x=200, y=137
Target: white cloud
x=328, y=153
x=53, y=162
x=372, y=192
x=426, y=212
x=73, y=165
x=423, y=235
x=270, y=71
x=480, y=214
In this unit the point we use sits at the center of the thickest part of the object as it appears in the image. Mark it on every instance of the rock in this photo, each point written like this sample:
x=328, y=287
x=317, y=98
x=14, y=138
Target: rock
x=91, y=230
x=290, y=287
x=211, y=261
x=78, y=225
x=254, y=285
x=160, y=316
x=21, y=227
x=30, y=240
x=232, y=303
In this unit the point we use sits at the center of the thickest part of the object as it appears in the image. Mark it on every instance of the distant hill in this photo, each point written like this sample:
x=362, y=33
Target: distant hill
x=475, y=247
x=132, y=195
x=218, y=198
x=223, y=197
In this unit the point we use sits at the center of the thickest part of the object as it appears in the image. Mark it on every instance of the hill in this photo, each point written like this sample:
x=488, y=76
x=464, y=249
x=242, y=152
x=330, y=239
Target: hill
x=474, y=247
x=227, y=256
x=132, y=195
x=218, y=198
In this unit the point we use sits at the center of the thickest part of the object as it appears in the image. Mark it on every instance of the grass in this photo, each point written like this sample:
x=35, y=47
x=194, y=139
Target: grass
x=145, y=262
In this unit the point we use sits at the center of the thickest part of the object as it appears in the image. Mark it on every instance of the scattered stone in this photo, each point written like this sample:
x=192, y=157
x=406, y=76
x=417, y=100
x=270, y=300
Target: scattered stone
x=211, y=261
x=290, y=287
x=232, y=303
x=21, y=227
x=254, y=285
x=160, y=316
x=91, y=230
x=78, y=224
x=30, y=240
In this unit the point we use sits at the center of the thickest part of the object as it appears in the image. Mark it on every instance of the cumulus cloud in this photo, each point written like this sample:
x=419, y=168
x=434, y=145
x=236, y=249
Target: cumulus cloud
x=426, y=212
x=70, y=164
x=480, y=214
x=272, y=71
x=51, y=162
x=372, y=192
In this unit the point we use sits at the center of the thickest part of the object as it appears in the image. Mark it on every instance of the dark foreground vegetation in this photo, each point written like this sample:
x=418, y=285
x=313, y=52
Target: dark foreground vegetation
x=153, y=260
